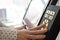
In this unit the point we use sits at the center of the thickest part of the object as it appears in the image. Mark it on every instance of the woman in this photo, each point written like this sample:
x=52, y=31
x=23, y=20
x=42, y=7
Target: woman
x=21, y=33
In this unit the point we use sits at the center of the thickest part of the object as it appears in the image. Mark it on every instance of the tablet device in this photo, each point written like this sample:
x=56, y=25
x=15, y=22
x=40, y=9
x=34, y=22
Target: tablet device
x=34, y=12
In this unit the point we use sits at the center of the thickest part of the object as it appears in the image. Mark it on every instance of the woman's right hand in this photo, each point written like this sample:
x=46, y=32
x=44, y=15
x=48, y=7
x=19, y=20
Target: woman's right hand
x=26, y=34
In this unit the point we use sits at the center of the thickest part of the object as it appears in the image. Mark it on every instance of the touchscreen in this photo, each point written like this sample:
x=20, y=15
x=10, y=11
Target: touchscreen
x=36, y=10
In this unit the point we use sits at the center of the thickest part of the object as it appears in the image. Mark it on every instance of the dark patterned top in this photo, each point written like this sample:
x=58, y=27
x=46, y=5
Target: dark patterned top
x=8, y=33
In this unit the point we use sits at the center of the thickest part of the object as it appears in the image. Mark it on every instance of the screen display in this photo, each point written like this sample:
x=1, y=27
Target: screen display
x=35, y=11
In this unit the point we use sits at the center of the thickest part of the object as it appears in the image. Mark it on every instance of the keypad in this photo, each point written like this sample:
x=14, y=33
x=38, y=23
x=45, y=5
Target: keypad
x=49, y=14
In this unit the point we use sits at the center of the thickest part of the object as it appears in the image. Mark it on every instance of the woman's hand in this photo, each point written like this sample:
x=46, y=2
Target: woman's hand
x=21, y=27
x=34, y=33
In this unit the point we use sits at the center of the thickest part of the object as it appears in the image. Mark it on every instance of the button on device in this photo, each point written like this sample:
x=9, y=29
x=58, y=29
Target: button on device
x=46, y=15
x=46, y=22
x=53, y=13
x=50, y=17
x=48, y=11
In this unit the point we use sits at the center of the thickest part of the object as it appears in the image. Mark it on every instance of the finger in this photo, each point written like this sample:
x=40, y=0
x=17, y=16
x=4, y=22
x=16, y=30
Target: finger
x=38, y=31
x=36, y=36
x=38, y=27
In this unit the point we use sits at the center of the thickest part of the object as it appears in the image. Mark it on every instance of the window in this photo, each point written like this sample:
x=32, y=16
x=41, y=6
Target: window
x=15, y=9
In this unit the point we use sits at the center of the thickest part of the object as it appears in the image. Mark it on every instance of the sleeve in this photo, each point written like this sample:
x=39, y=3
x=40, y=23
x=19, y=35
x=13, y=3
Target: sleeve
x=8, y=34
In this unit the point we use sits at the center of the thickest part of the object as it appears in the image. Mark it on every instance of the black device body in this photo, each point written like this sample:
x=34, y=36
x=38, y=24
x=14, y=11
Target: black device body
x=53, y=23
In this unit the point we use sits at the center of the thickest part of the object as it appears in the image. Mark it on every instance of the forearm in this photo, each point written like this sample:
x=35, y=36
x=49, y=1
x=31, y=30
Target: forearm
x=8, y=34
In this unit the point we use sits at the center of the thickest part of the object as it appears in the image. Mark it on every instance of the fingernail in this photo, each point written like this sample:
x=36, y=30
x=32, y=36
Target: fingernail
x=43, y=25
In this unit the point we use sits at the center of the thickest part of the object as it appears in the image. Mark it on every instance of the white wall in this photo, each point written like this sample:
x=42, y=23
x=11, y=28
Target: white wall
x=15, y=9
x=58, y=3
